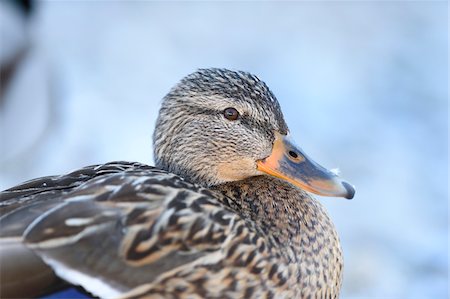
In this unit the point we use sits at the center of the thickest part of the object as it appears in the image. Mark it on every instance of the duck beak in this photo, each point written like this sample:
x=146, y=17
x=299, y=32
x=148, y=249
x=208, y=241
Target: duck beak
x=288, y=162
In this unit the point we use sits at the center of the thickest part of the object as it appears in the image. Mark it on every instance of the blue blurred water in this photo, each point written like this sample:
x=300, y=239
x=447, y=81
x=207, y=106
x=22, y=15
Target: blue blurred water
x=363, y=86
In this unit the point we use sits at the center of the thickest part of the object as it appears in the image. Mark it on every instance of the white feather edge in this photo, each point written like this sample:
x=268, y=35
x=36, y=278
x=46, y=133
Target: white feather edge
x=91, y=284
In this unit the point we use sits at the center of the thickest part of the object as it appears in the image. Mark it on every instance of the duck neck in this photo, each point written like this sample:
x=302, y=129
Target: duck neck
x=278, y=208
x=295, y=225
x=291, y=218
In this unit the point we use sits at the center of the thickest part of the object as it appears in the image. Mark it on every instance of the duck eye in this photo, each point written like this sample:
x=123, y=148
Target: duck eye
x=231, y=113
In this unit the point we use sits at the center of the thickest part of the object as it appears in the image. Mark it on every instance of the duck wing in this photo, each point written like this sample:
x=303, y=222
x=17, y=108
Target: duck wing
x=119, y=232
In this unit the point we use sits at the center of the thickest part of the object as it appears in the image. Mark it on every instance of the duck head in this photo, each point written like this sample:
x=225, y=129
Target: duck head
x=217, y=126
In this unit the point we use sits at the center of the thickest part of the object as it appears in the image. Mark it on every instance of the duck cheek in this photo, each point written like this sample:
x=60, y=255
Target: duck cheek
x=254, y=148
x=236, y=169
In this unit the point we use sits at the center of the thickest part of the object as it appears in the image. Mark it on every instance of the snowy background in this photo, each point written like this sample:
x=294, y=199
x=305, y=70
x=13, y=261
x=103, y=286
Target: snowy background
x=363, y=86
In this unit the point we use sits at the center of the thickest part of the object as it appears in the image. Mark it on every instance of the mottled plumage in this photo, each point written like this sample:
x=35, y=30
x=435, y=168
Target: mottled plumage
x=204, y=223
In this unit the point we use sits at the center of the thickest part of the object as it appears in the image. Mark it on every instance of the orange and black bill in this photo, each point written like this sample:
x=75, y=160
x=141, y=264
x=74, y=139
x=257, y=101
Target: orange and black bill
x=288, y=162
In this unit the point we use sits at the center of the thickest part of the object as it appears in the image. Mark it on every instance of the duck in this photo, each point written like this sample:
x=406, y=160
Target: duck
x=226, y=212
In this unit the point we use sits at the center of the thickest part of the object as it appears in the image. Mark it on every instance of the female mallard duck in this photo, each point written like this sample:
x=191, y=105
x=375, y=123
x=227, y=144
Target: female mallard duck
x=222, y=215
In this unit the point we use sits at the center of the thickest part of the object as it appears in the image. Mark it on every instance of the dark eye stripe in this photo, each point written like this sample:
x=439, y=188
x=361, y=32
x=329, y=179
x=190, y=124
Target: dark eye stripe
x=231, y=113
x=244, y=119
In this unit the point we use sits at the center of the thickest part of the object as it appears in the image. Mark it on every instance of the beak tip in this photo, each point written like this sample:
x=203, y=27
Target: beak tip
x=350, y=190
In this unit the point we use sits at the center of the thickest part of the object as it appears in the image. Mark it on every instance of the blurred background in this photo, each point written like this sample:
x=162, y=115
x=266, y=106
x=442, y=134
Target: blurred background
x=363, y=86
